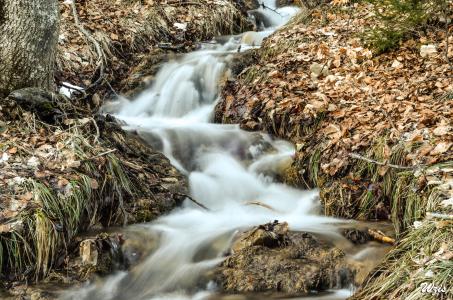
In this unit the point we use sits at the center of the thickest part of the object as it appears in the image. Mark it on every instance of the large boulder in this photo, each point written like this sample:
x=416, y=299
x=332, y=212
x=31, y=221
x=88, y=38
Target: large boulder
x=270, y=258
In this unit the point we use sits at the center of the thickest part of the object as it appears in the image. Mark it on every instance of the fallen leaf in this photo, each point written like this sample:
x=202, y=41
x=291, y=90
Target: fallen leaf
x=94, y=184
x=440, y=148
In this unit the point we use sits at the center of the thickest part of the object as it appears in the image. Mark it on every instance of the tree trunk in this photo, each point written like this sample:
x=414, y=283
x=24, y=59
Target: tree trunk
x=29, y=32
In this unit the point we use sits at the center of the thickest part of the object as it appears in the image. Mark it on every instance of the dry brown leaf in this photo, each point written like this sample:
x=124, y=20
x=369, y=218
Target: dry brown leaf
x=440, y=148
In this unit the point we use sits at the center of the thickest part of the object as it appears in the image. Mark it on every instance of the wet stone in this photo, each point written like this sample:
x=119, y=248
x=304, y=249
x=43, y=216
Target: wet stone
x=357, y=236
x=270, y=258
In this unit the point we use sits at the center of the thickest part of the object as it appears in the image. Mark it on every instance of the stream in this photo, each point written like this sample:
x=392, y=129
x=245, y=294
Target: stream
x=227, y=169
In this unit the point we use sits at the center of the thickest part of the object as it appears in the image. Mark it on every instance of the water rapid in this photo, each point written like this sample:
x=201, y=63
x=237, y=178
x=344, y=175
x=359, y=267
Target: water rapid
x=227, y=170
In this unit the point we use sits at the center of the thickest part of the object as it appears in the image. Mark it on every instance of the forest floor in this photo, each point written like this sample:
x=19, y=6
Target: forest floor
x=373, y=132
x=66, y=170
x=128, y=40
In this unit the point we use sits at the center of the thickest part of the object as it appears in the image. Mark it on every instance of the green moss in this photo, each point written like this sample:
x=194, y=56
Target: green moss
x=400, y=19
x=144, y=215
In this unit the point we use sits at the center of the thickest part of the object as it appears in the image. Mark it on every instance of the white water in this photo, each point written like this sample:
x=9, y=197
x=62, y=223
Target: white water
x=226, y=168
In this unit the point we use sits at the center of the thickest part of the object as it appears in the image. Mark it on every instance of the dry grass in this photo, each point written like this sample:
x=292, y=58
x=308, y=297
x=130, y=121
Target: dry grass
x=423, y=256
x=62, y=203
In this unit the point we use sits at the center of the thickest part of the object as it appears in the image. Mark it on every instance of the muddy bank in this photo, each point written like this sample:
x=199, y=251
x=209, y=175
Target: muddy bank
x=61, y=177
x=373, y=132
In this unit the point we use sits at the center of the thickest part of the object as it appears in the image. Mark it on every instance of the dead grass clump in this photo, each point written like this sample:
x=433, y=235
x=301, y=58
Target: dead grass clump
x=55, y=184
x=422, y=258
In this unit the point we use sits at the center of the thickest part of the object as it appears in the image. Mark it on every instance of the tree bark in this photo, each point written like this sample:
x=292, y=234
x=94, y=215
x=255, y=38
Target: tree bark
x=29, y=32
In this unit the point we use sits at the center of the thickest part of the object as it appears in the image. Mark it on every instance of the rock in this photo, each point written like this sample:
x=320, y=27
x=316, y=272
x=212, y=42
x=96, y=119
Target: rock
x=357, y=236
x=3, y=126
x=137, y=245
x=239, y=62
x=38, y=296
x=89, y=252
x=142, y=75
x=270, y=235
x=252, y=38
x=46, y=105
x=270, y=258
x=146, y=169
x=428, y=50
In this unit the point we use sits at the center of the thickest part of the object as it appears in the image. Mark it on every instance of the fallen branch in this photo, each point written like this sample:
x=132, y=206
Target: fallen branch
x=194, y=201
x=167, y=46
x=380, y=237
x=101, y=56
x=99, y=155
x=258, y=203
x=179, y=2
x=357, y=156
x=271, y=9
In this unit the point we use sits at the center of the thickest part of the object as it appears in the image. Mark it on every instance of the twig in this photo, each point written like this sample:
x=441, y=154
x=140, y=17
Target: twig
x=357, y=156
x=111, y=88
x=78, y=90
x=258, y=203
x=435, y=215
x=271, y=9
x=98, y=134
x=183, y=3
x=99, y=155
x=97, y=46
x=186, y=196
x=132, y=165
x=390, y=120
x=195, y=201
x=170, y=47
x=380, y=236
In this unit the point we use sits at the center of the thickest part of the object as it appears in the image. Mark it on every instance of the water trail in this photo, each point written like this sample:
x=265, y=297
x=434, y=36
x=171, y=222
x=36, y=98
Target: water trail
x=226, y=168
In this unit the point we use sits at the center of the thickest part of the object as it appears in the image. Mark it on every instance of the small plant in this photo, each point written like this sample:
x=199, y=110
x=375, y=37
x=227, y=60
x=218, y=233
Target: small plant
x=400, y=19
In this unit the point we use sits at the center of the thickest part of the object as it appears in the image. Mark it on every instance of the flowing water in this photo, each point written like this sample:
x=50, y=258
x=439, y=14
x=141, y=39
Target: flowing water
x=226, y=167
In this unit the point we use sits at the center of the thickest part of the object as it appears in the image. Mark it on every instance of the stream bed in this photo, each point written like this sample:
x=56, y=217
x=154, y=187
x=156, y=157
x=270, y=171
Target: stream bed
x=228, y=170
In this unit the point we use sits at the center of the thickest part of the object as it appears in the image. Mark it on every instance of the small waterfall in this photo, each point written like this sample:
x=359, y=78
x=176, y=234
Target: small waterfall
x=226, y=168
